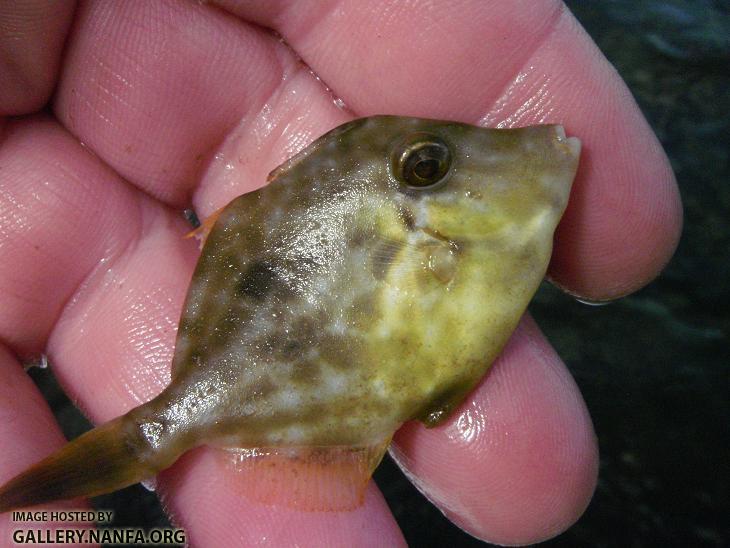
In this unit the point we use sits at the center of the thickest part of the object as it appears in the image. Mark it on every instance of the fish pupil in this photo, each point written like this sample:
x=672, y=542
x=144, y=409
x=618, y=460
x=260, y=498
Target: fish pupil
x=426, y=169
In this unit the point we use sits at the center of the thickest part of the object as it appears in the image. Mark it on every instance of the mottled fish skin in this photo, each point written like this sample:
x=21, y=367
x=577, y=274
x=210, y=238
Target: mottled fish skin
x=339, y=301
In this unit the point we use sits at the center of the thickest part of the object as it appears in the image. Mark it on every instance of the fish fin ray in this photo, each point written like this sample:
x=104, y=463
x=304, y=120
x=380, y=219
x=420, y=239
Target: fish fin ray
x=97, y=462
x=323, y=479
x=425, y=264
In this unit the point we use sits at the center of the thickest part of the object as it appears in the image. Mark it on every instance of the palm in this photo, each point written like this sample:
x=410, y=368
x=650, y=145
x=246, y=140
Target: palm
x=186, y=104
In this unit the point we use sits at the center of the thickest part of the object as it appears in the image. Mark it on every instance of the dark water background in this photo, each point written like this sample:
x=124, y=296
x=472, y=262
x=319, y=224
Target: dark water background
x=654, y=367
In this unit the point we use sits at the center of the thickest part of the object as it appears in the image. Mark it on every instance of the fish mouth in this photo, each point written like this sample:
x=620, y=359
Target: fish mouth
x=573, y=144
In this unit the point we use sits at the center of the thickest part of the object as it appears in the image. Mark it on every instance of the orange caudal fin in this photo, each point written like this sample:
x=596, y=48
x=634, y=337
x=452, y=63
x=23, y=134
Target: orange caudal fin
x=201, y=233
x=306, y=478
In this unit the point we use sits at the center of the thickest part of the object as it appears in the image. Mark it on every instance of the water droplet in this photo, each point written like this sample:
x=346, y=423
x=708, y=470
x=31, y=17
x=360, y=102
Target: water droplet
x=581, y=299
x=589, y=302
x=41, y=362
x=150, y=484
x=468, y=426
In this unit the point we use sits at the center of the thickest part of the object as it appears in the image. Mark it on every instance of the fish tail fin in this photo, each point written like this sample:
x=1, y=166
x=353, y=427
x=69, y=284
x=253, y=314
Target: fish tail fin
x=109, y=457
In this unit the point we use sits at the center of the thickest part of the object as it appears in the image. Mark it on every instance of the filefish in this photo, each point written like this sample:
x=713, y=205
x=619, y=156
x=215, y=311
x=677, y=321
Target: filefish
x=372, y=282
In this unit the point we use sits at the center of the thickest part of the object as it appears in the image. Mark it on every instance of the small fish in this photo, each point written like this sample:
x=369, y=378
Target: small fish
x=373, y=281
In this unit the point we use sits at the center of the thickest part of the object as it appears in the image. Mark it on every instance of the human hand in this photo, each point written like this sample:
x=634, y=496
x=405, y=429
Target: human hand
x=181, y=104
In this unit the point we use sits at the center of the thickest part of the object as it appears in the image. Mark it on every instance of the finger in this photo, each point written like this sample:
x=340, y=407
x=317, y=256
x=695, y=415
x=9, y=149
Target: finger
x=507, y=63
x=517, y=463
x=58, y=220
x=28, y=432
x=153, y=87
x=31, y=40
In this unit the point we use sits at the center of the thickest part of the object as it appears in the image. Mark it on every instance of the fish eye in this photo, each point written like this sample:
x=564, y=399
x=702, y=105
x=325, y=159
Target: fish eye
x=422, y=162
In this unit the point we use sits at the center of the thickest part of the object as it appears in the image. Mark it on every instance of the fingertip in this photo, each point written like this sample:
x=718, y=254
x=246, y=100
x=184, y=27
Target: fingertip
x=518, y=462
x=622, y=226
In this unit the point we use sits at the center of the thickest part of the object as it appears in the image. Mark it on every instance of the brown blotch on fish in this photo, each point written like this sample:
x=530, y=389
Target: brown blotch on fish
x=307, y=329
x=356, y=237
x=286, y=347
x=307, y=372
x=257, y=280
x=337, y=350
x=261, y=388
x=409, y=221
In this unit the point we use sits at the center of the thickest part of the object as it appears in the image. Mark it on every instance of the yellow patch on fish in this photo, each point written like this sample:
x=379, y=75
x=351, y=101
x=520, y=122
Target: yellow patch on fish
x=373, y=281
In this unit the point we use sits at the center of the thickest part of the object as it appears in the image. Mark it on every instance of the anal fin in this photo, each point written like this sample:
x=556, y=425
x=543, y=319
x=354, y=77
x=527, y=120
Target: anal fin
x=308, y=478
